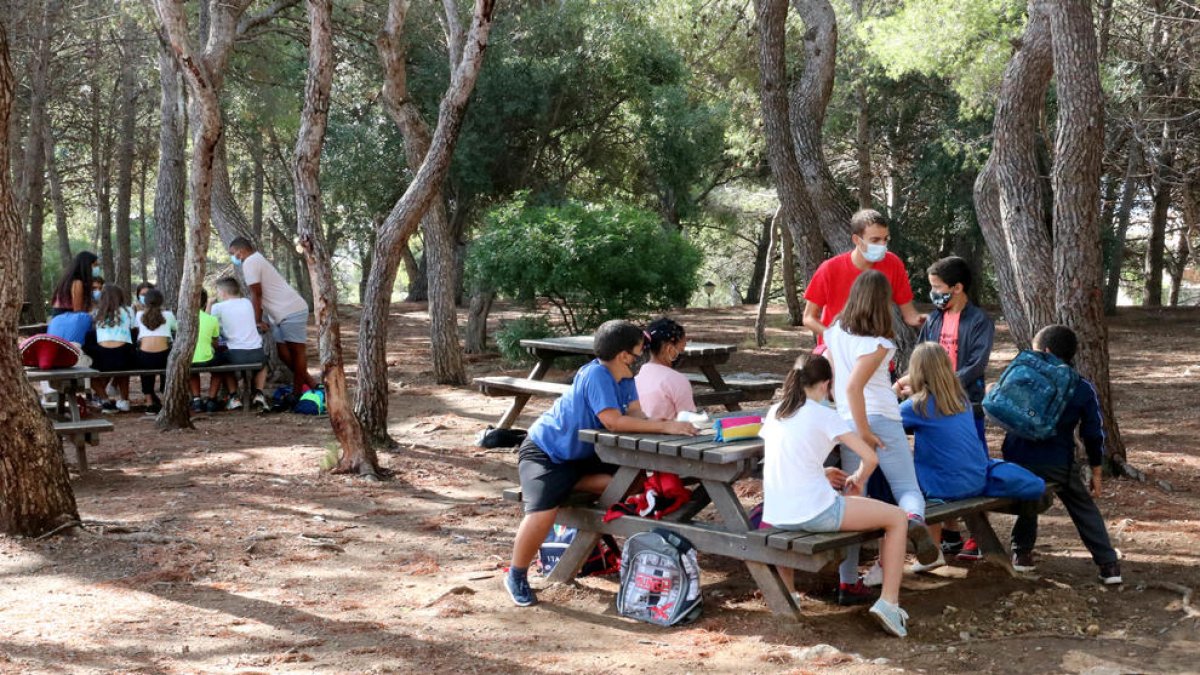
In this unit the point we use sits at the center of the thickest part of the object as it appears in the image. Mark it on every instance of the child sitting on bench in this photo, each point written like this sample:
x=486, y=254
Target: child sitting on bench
x=243, y=341
x=206, y=355
x=553, y=462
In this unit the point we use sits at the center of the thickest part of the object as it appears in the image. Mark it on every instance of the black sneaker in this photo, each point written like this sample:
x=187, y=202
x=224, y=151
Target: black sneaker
x=857, y=593
x=213, y=405
x=1110, y=574
x=922, y=542
x=519, y=590
x=952, y=542
x=1023, y=562
x=109, y=407
x=197, y=404
x=154, y=408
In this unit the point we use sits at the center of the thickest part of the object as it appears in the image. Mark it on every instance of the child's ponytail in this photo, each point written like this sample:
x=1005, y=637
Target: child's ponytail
x=809, y=369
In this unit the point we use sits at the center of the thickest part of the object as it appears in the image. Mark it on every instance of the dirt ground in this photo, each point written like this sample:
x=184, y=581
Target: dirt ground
x=225, y=549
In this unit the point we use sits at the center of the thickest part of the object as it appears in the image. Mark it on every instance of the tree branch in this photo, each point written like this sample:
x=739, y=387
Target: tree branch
x=249, y=23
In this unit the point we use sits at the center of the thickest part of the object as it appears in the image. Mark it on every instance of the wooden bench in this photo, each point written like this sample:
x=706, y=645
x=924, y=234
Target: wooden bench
x=246, y=370
x=753, y=387
x=82, y=433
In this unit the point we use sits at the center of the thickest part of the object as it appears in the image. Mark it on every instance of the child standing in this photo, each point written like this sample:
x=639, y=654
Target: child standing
x=860, y=343
x=663, y=391
x=236, y=316
x=205, y=355
x=553, y=462
x=950, y=460
x=114, y=347
x=798, y=434
x=155, y=327
x=1054, y=460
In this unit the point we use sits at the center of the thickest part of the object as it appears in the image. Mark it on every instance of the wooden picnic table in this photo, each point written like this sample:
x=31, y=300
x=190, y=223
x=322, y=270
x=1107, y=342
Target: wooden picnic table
x=718, y=467
x=68, y=419
x=703, y=356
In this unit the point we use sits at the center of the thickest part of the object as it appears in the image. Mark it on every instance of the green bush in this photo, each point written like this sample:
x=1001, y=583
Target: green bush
x=509, y=337
x=590, y=262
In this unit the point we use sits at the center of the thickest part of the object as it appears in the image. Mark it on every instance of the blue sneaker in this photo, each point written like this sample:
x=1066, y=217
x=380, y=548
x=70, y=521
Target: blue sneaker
x=519, y=590
x=890, y=617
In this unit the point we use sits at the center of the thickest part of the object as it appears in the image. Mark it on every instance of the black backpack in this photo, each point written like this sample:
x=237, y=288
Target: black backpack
x=660, y=579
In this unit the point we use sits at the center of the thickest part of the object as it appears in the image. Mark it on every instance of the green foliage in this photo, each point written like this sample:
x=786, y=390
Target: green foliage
x=508, y=338
x=967, y=42
x=591, y=262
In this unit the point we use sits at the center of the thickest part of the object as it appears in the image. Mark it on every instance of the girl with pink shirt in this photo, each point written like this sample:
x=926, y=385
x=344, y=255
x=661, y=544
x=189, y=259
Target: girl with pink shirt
x=663, y=391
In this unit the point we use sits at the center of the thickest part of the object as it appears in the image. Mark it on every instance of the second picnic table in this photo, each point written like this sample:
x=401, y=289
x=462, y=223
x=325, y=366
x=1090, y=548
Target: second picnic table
x=702, y=356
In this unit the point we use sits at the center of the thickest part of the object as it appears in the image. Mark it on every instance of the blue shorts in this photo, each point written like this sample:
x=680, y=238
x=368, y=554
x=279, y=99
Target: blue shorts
x=292, y=328
x=829, y=520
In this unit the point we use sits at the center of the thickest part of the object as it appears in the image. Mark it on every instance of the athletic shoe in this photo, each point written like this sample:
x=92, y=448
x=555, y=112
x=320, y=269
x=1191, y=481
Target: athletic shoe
x=952, y=542
x=919, y=568
x=856, y=593
x=918, y=534
x=970, y=551
x=234, y=403
x=197, y=404
x=1023, y=562
x=212, y=405
x=260, y=400
x=154, y=408
x=1110, y=574
x=874, y=576
x=109, y=407
x=893, y=619
x=123, y=405
x=519, y=590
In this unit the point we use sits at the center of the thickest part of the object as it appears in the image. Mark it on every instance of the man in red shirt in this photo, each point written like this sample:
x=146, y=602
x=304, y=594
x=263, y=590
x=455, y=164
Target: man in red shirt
x=830, y=286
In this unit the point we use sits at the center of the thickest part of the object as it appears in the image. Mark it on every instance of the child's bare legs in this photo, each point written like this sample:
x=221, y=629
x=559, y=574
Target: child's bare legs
x=870, y=514
x=535, y=526
x=194, y=383
x=935, y=533
x=123, y=387
x=99, y=386
x=260, y=379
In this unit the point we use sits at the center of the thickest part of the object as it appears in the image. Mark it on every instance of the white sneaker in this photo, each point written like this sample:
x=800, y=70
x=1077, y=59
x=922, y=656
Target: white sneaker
x=890, y=617
x=112, y=391
x=918, y=568
x=123, y=405
x=234, y=403
x=874, y=576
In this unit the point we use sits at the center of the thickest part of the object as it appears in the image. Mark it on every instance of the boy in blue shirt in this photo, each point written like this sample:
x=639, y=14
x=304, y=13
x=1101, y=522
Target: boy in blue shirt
x=1054, y=460
x=553, y=462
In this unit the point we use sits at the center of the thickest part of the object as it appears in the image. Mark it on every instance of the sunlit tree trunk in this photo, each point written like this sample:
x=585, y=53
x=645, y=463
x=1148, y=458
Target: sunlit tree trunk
x=431, y=165
x=171, y=180
x=1078, y=158
x=35, y=491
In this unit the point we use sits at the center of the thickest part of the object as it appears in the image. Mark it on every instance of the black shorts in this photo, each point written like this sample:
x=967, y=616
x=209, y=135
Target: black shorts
x=218, y=359
x=240, y=357
x=107, y=359
x=546, y=484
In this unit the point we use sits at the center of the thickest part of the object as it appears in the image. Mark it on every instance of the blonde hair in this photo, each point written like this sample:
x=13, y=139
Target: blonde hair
x=930, y=372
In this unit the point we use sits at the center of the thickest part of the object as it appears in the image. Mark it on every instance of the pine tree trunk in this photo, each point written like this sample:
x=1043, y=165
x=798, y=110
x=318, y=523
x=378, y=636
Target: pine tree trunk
x=1116, y=260
x=306, y=175
x=862, y=146
x=809, y=100
x=790, y=290
x=170, y=186
x=256, y=205
x=441, y=249
x=127, y=112
x=477, y=314
x=1079, y=153
x=205, y=115
x=35, y=491
x=1156, y=243
x=144, y=251
x=101, y=162
x=56, y=198
x=34, y=165
x=1008, y=194
x=799, y=217
x=765, y=234
x=430, y=166
x=764, y=293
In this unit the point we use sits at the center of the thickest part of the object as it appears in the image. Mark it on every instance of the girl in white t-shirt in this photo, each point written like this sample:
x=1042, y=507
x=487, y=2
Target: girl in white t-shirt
x=798, y=434
x=860, y=347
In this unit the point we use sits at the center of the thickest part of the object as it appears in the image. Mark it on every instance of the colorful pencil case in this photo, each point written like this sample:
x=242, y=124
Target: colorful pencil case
x=737, y=428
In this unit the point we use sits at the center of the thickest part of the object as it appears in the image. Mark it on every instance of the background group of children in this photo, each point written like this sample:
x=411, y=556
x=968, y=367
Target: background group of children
x=845, y=397
x=120, y=333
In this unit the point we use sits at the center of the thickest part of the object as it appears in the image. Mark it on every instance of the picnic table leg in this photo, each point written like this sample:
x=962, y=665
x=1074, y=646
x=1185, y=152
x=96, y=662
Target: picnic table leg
x=718, y=384
x=766, y=576
x=989, y=544
x=581, y=547
x=514, y=409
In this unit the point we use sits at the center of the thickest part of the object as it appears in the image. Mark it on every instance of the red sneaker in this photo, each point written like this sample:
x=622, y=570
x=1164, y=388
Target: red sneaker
x=857, y=593
x=970, y=551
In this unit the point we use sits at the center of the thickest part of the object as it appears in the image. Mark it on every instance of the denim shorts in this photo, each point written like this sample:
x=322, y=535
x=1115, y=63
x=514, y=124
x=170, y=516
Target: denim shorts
x=292, y=328
x=829, y=520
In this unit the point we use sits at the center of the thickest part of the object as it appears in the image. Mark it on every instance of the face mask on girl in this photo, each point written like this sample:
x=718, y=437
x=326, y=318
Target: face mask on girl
x=940, y=300
x=95, y=294
x=141, y=299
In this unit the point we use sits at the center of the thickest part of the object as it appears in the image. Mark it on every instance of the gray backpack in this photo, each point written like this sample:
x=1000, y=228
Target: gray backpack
x=660, y=579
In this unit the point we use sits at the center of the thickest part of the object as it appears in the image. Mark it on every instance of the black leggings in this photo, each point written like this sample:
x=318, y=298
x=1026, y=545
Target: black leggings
x=151, y=361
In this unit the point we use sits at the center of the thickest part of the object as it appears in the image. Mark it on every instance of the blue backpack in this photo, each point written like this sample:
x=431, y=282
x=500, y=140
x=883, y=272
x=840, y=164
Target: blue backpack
x=1031, y=395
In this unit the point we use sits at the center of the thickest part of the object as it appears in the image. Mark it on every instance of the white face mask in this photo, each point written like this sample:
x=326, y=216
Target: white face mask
x=875, y=252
